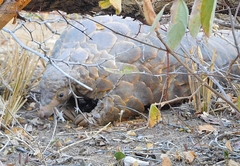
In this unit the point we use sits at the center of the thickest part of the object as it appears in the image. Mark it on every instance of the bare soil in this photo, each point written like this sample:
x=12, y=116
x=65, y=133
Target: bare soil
x=50, y=142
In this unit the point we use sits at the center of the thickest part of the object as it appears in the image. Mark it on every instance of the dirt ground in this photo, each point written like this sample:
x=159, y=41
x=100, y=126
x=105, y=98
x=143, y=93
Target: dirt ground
x=50, y=142
x=183, y=137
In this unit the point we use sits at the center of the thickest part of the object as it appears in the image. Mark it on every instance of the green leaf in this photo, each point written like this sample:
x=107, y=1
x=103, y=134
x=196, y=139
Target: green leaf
x=194, y=23
x=119, y=156
x=117, y=4
x=226, y=154
x=178, y=26
x=156, y=20
x=104, y=4
x=127, y=69
x=175, y=34
x=207, y=15
x=179, y=12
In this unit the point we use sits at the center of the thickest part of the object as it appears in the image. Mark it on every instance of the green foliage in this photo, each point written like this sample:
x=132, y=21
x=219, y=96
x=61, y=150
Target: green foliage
x=154, y=116
x=105, y=4
x=179, y=19
x=127, y=69
x=194, y=23
x=202, y=14
x=207, y=15
x=226, y=154
x=119, y=156
x=157, y=19
x=117, y=4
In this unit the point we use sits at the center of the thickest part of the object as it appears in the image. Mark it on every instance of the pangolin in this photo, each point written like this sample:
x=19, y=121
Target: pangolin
x=123, y=69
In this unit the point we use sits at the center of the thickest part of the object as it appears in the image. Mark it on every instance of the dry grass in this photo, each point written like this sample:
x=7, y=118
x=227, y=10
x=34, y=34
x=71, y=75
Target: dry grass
x=17, y=69
x=203, y=95
x=17, y=65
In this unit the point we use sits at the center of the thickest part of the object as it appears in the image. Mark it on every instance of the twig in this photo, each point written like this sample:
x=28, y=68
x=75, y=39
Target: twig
x=6, y=142
x=88, y=138
x=196, y=76
x=45, y=58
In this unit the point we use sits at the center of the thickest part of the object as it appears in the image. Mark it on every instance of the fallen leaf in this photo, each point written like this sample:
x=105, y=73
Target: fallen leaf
x=58, y=143
x=126, y=141
x=189, y=156
x=210, y=118
x=149, y=145
x=178, y=157
x=138, y=148
x=206, y=128
x=31, y=106
x=68, y=141
x=154, y=116
x=132, y=133
x=232, y=163
x=228, y=145
x=166, y=160
x=18, y=131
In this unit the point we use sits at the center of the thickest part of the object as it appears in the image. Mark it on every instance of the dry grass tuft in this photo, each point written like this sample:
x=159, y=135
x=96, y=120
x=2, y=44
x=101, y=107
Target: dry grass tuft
x=16, y=70
x=202, y=96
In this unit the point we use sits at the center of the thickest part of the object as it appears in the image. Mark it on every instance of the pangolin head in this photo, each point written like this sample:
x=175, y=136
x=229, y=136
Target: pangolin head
x=54, y=89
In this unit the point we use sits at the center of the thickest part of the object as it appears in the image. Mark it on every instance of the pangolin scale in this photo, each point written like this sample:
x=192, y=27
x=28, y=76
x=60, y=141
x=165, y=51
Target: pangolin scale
x=122, y=72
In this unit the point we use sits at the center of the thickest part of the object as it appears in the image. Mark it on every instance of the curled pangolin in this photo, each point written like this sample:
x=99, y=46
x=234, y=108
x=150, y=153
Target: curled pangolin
x=100, y=59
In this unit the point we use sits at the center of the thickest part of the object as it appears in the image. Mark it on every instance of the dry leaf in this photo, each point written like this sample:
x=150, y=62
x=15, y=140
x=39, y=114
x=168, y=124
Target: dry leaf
x=58, y=144
x=68, y=141
x=1, y=1
x=148, y=12
x=138, y=148
x=117, y=4
x=31, y=106
x=189, y=156
x=19, y=132
x=131, y=133
x=166, y=160
x=154, y=116
x=206, y=128
x=99, y=27
x=232, y=163
x=178, y=157
x=149, y=145
x=228, y=145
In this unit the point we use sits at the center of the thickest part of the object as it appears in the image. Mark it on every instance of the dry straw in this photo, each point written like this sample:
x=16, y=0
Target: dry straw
x=16, y=70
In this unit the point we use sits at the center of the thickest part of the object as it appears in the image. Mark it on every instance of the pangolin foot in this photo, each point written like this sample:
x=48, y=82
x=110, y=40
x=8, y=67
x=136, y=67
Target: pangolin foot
x=105, y=111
